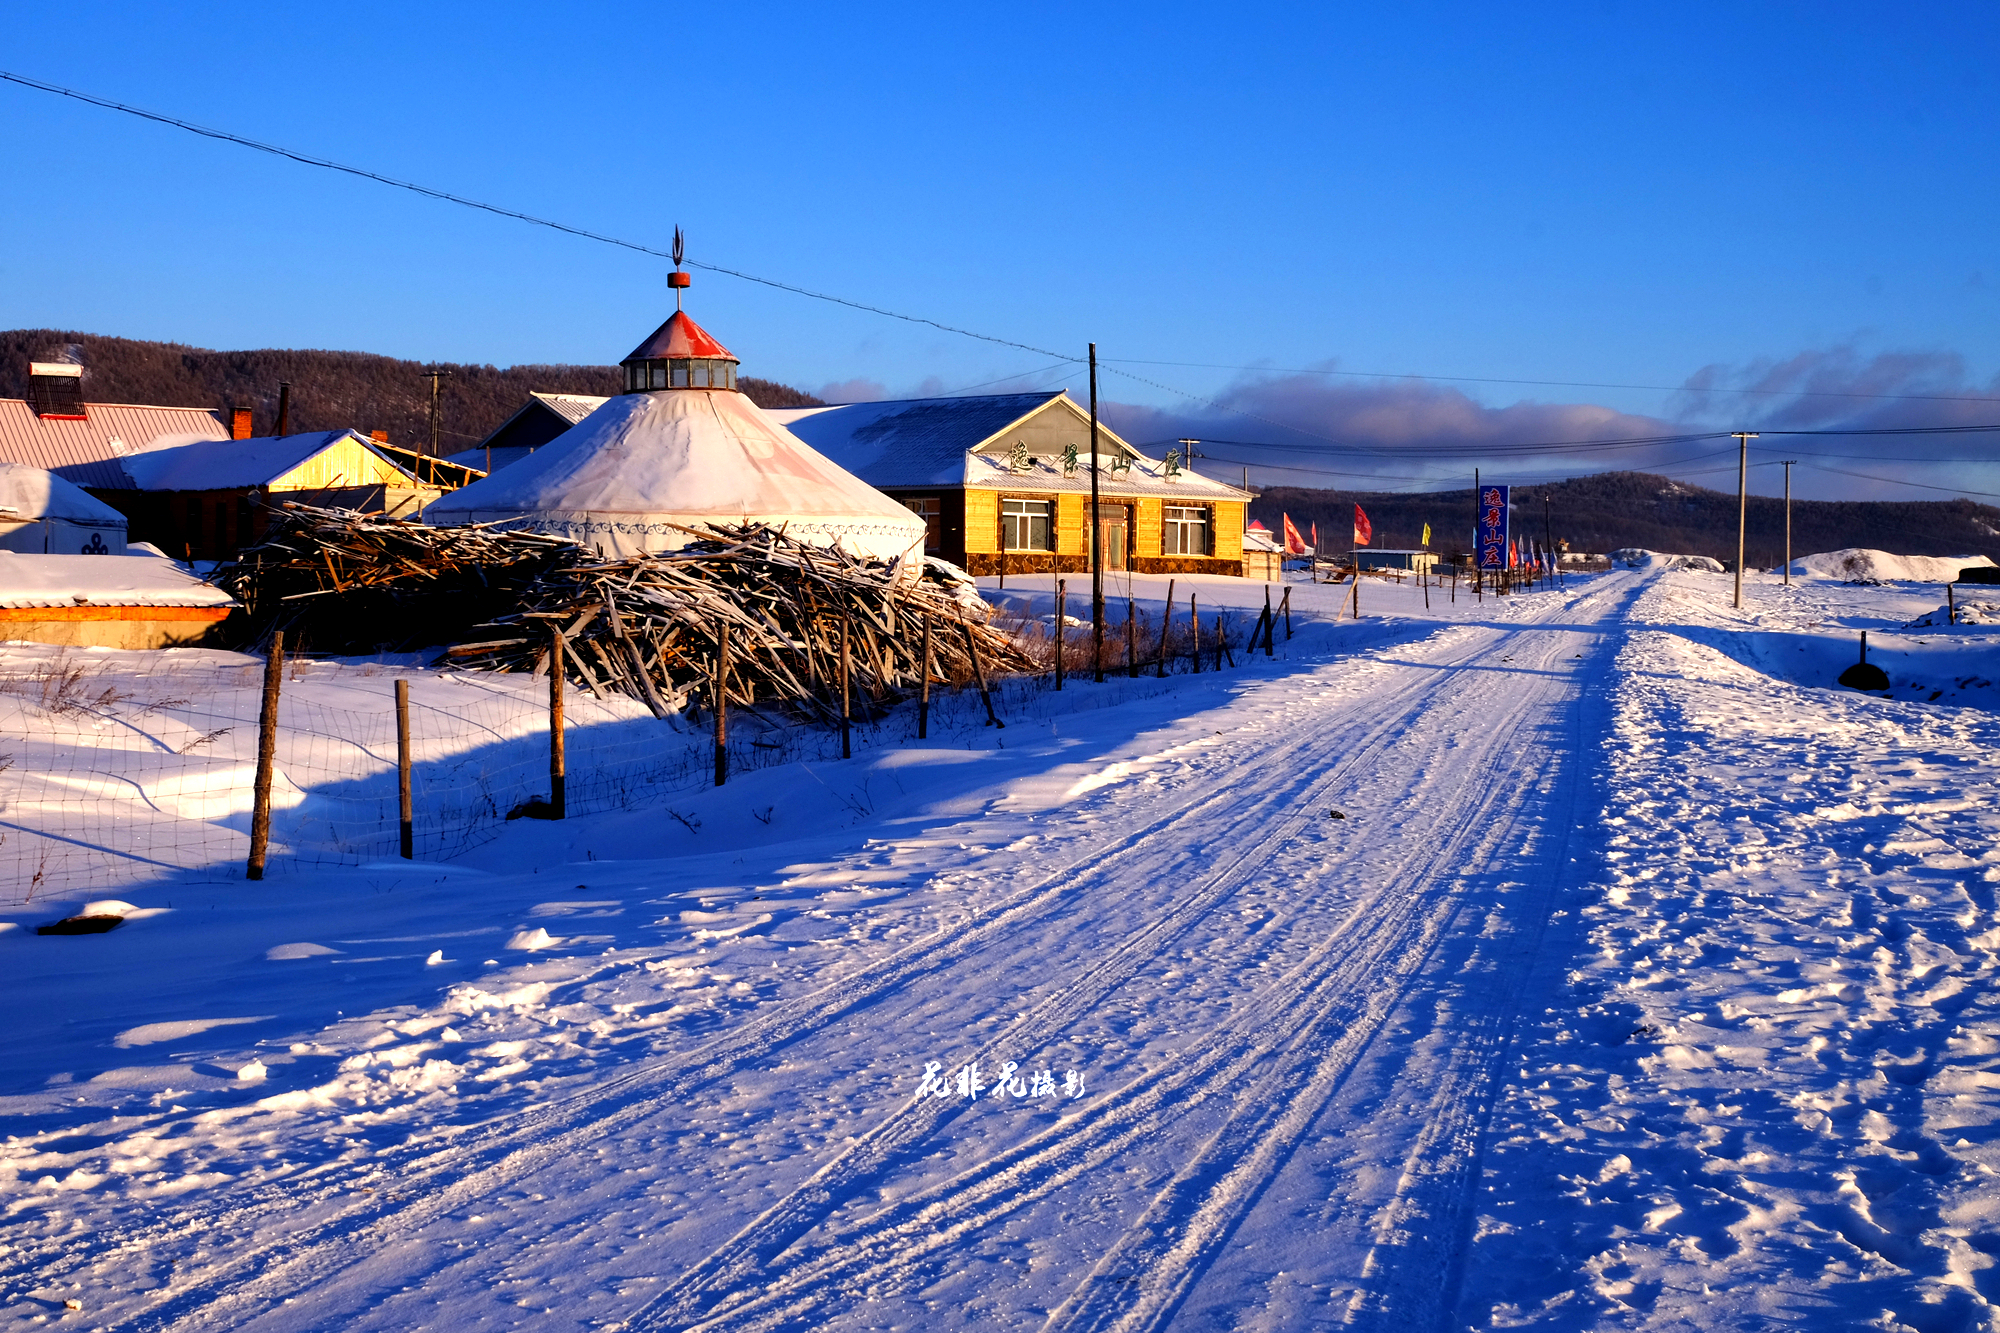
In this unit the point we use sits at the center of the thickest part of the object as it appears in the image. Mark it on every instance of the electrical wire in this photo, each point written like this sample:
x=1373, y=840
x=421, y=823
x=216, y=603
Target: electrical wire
x=1555, y=384
x=1061, y=359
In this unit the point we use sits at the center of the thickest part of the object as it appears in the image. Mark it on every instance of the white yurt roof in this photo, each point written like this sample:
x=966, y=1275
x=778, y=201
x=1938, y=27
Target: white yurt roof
x=32, y=493
x=42, y=513
x=632, y=475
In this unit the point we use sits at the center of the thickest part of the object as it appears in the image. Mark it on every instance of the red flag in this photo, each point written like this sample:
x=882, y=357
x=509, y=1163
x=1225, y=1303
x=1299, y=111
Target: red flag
x=1513, y=555
x=1363, y=529
x=1294, y=544
x=1315, y=534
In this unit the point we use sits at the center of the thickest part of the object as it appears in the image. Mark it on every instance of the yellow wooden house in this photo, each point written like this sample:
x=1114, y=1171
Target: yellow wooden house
x=1003, y=484
x=207, y=500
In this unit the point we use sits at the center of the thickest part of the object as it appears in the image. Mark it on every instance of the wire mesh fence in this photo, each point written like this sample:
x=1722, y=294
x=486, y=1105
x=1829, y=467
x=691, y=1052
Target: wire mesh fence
x=121, y=768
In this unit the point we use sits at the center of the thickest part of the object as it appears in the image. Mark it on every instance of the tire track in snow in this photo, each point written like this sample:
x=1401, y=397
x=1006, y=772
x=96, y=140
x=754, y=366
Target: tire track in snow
x=1245, y=1157
x=438, y=1180
x=1325, y=1006
x=806, y=1207
x=1415, y=1264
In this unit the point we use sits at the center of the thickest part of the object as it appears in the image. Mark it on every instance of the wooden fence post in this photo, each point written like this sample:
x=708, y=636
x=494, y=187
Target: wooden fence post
x=1166, y=623
x=1194, y=628
x=979, y=675
x=409, y=832
x=846, y=734
x=722, y=703
x=1950, y=605
x=924, y=691
x=1222, y=644
x=558, y=776
x=267, y=758
x=1131, y=638
x=1285, y=607
x=1062, y=639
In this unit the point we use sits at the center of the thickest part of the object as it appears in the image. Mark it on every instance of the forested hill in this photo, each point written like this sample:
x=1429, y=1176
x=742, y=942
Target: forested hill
x=330, y=390
x=1614, y=509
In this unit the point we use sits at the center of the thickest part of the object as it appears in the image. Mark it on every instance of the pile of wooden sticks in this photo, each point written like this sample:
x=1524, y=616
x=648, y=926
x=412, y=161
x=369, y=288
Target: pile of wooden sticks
x=799, y=621
x=337, y=581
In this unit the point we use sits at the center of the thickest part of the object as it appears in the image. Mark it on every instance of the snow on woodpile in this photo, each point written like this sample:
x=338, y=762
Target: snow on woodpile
x=1859, y=564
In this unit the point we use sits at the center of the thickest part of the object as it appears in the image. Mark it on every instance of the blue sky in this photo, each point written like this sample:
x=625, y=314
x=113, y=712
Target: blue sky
x=1781, y=196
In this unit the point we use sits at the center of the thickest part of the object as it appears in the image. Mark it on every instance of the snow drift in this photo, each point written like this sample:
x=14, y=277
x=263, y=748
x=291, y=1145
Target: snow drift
x=1858, y=563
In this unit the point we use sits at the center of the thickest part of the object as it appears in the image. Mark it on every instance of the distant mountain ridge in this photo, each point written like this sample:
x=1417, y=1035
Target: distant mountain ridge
x=330, y=390
x=1614, y=509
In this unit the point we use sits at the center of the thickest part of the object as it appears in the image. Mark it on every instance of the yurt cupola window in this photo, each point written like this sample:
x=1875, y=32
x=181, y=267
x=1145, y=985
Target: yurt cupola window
x=680, y=354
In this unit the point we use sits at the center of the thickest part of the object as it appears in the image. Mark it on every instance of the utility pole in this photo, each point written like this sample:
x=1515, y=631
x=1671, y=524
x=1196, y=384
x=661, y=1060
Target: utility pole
x=1743, y=438
x=1788, y=520
x=435, y=377
x=1096, y=539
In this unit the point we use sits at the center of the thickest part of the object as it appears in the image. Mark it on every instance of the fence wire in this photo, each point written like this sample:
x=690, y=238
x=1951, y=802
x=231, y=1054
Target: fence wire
x=121, y=768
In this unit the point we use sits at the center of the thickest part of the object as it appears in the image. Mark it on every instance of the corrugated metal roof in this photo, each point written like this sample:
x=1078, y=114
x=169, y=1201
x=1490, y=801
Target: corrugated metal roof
x=86, y=453
x=678, y=338
x=102, y=580
x=573, y=407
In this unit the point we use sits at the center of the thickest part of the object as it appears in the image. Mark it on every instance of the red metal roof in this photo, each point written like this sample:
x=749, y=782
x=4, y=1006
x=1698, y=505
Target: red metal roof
x=679, y=338
x=86, y=452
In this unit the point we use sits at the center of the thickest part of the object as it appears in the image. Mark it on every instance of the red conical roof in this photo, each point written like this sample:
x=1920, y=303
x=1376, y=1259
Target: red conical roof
x=678, y=339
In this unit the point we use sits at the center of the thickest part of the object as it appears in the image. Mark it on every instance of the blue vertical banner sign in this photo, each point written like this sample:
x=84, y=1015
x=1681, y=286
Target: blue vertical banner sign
x=1493, y=507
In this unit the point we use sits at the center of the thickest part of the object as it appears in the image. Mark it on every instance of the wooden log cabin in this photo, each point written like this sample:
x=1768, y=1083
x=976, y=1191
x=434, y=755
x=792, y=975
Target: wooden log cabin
x=1002, y=482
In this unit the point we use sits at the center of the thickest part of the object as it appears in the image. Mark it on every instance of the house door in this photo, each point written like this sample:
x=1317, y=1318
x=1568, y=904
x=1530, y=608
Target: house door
x=1113, y=535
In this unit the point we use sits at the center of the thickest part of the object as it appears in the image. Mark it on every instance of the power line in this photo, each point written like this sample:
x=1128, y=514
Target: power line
x=445, y=196
x=1547, y=446
x=1559, y=384
x=1897, y=481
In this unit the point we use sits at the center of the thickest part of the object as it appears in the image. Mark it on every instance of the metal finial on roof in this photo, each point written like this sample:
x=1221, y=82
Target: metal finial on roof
x=679, y=279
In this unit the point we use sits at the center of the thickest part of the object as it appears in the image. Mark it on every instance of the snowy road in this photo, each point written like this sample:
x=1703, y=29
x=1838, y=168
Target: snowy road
x=1114, y=1025
x=1264, y=1004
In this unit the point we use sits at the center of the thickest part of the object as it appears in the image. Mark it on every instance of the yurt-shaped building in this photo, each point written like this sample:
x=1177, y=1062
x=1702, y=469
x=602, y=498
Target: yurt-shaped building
x=682, y=449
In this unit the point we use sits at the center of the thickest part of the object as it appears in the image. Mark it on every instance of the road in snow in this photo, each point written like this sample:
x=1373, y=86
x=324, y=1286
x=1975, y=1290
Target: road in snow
x=1527, y=1037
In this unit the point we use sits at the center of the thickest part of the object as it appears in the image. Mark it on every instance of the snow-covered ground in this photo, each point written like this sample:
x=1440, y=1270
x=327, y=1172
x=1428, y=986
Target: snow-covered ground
x=1578, y=959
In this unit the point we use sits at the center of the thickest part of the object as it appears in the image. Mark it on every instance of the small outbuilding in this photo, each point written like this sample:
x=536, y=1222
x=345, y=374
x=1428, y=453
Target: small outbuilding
x=41, y=514
x=1263, y=555
x=118, y=601
x=1412, y=561
x=206, y=501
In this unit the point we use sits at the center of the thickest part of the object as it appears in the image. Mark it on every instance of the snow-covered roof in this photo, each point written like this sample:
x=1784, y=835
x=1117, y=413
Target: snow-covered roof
x=572, y=406
x=964, y=442
x=1259, y=538
x=28, y=493
x=912, y=442
x=101, y=580
x=87, y=452
x=644, y=465
x=231, y=464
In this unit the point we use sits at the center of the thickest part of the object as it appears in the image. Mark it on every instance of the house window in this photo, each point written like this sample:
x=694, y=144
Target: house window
x=1183, y=531
x=1024, y=525
x=931, y=510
